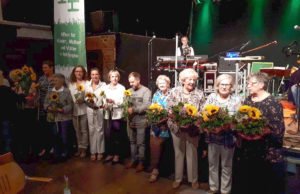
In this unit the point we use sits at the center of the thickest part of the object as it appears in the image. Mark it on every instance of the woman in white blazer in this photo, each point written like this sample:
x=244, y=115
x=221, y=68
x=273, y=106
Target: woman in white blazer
x=94, y=101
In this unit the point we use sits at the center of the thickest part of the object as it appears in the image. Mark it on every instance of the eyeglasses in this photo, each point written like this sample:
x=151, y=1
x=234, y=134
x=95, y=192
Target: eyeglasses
x=251, y=83
x=225, y=85
x=78, y=71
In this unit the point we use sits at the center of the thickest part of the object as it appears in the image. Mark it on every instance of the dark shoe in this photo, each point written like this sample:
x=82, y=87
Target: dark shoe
x=131, y=164
x=140, y=167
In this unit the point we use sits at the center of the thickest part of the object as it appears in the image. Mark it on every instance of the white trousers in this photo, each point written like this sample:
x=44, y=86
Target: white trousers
x=96, y=130
x=215, y=153
x=81, y=128
x=182, y=148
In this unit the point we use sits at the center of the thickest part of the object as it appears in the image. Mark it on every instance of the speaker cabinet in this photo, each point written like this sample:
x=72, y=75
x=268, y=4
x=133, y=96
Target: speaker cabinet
x=226, y=66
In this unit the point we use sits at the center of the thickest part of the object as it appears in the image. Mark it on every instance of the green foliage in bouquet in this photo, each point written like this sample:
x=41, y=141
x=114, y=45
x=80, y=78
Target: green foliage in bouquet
x=156, y=114
x=214, y=117
x=248, y=120
x=185, y=114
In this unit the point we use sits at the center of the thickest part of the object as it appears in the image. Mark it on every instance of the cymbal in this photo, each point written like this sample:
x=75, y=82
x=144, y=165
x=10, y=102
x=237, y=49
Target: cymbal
x=298, y=61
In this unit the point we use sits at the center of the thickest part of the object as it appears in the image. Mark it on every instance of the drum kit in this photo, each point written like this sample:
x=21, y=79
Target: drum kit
x=12, y=177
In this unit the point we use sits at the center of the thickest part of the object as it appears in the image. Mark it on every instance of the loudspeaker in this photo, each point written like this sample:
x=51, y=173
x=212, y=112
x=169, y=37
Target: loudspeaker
x=101, y=21
x=226, y=66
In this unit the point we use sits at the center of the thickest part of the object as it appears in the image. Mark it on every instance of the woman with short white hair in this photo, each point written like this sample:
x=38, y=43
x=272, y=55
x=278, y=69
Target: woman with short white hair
x=184, y=144
x=221, y=145
x=161, y=134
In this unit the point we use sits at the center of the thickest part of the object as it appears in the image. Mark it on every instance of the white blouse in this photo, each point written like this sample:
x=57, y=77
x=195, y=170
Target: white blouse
x=117, y=94
x=79, y=109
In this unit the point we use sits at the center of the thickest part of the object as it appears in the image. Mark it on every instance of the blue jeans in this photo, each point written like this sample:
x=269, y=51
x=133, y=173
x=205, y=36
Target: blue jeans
x=6, y=137
x=296, y=94
x=60, y=131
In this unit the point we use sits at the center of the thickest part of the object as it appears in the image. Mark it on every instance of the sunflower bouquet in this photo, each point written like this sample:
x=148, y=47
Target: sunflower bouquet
x=80, y=91
x=127, y=103
x=186, y=116
x=90, y=97
x=249, y=123
x=214, y=119
x=23, y=78
x=156, y=115
x=54, y=105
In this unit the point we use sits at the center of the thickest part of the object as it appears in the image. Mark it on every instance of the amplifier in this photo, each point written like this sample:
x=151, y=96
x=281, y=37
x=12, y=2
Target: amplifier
x=226, y=66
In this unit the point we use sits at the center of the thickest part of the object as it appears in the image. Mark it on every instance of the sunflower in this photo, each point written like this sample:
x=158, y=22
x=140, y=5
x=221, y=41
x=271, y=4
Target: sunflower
x=155, y=107
x=25, y=68
x=33, y=77
x=80, y=88
x=191, y=110
x=244, y=108
x=54, y=97
x=127, y=93
x=101, y=93
x=17, y=72
x=89, y=95
x=204, y=116
x=31, y=70
x=254, y=113
x=211, y=109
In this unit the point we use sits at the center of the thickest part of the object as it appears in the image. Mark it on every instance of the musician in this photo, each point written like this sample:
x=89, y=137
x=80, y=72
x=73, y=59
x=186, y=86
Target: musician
x=185, y=49
x=295, y=79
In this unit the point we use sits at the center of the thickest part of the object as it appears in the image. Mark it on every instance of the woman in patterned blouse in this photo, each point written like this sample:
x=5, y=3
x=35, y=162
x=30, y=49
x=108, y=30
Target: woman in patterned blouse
x=220, y=145
x=183, y=143
x=258, y=165
x=160, y=97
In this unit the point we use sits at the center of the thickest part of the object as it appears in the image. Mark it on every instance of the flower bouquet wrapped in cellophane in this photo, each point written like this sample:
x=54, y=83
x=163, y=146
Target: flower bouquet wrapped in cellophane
x=186, y=116
x=80, y=93
x=249, y=123
x=214, y=119
x=156, y=115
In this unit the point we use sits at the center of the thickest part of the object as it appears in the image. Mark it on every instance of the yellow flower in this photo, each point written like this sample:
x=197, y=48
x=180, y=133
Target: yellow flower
x=31, y=70
x=127, y=93
x=244, y=108
x=101, y=93
x=191, y=110
x=204, y=116
x=254, y=113
x=33, y=77
x=25, y=69
x=89, y=95
x=156, y=107
x=211, y=109
x=54, y=97
x=80, y=88
x=17, y=72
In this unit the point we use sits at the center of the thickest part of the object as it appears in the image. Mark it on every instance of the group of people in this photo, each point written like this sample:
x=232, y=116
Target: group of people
x=235, y=165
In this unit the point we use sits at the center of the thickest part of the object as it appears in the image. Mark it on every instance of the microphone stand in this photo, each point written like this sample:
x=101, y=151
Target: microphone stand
x=150, y=59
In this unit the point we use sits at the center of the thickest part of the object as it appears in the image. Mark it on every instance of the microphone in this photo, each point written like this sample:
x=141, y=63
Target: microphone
x=296, y=27
x=246, y=44
x=153, y=36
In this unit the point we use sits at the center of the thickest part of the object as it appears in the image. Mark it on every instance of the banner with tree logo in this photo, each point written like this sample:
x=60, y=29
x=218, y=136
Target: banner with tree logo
x=69, y=35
